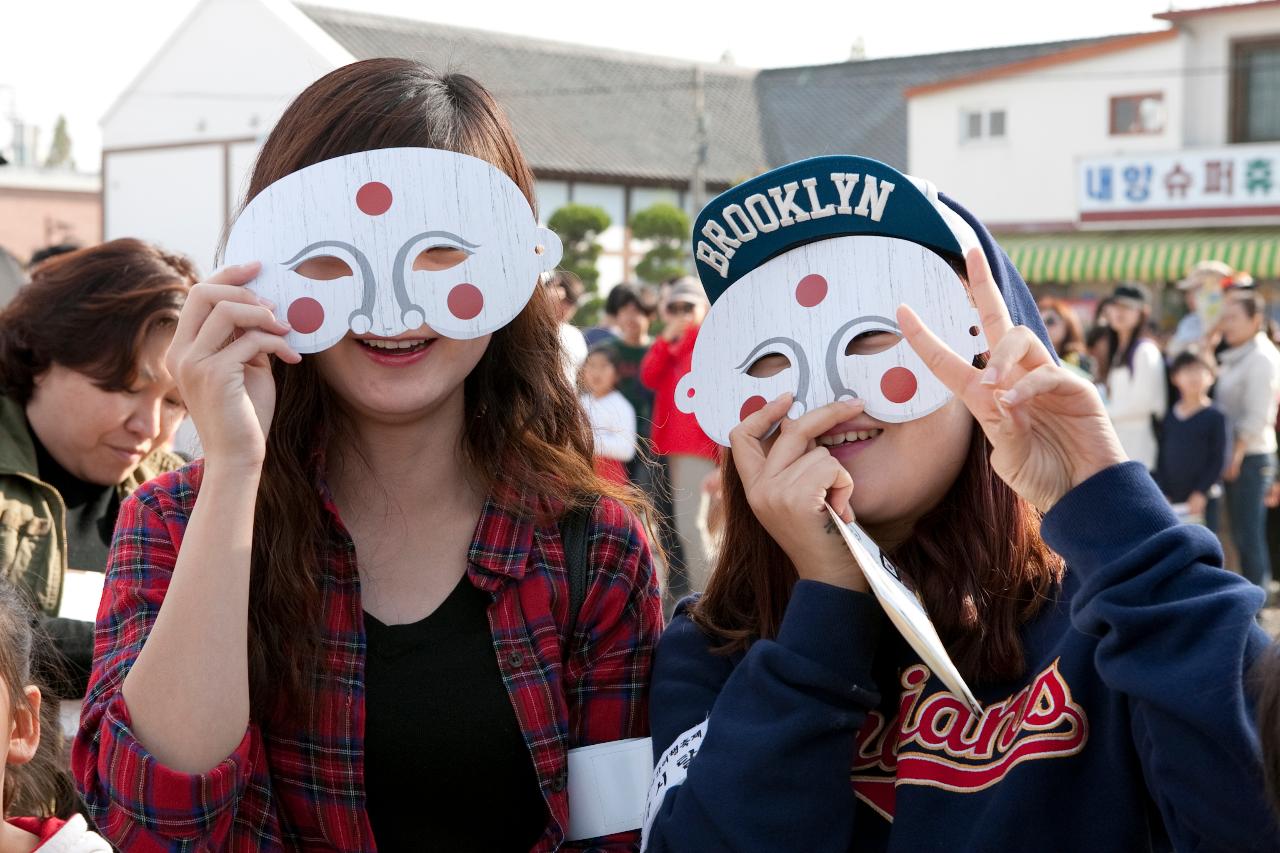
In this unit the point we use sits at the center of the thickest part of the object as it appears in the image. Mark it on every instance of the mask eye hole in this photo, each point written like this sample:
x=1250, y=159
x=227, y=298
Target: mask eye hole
x=768, y=365
x=324, y=268
x=440, y=258
x=871, y=342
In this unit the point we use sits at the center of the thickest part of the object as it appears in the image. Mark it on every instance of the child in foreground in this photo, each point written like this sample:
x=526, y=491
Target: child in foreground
x=37, y=790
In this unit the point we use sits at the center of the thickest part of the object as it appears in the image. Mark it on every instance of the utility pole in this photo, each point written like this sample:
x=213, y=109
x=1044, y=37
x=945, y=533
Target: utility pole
x=698, y=185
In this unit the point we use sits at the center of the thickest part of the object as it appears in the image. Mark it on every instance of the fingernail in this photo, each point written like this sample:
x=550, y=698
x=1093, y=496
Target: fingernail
x=854, y=402
x=266, y=303
x=990, y=376
x=1009, y=397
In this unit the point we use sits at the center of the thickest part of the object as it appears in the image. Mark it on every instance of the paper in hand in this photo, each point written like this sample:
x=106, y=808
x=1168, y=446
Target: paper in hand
x=904, y=609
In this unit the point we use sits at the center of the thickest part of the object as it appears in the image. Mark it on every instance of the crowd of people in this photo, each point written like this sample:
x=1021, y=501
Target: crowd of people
x=396, y=590
x=1198, y=406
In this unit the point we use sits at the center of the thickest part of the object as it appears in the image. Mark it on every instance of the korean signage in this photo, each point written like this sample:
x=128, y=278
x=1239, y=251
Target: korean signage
x=1239, y=180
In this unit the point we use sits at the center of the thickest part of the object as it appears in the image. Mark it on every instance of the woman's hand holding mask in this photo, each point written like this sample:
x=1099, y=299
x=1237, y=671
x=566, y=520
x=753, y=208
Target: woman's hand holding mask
x=221, y=358
x=789, y=478
x=1048, y=427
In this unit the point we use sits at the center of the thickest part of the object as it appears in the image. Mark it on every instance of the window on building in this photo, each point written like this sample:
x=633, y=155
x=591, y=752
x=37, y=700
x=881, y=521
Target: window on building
x=1137, y=114
x=976, y=124
x=972, y=125
x=1255, y=90
x=995, y=123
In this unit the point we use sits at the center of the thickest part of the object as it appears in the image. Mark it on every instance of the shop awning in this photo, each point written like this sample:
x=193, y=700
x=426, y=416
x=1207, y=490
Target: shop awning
x=1152, y=256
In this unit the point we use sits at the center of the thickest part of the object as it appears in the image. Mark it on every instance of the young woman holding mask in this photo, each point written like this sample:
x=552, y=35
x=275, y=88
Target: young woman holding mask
x=803, y=721
x=347, y=627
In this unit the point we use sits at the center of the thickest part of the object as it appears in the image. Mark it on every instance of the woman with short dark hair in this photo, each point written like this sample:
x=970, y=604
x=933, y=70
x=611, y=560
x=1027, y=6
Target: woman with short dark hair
x=87, y=409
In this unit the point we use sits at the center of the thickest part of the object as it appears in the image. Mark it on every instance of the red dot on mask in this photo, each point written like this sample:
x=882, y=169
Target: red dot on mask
x=305, y=315
x=465, y=301
x=811, y=290
x=753, y=405
x=374, y=198
x=898, y=385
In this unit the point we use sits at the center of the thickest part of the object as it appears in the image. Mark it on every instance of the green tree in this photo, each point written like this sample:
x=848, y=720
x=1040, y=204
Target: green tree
x=60, y=148
x=667, y=227
x=578, y=226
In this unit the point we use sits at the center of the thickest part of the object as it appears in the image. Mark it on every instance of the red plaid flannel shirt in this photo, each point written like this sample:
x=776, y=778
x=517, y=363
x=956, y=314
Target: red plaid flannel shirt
x=297, y=785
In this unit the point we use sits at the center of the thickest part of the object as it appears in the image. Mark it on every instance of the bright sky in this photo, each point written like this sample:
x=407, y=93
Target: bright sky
x=75, y=56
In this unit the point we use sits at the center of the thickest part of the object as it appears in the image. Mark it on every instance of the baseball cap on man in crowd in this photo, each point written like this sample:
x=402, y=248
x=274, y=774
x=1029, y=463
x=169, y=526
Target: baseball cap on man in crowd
x=1212, y=270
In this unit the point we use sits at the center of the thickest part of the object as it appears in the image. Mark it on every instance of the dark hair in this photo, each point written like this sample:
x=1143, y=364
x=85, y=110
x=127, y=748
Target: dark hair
x=43, y=786
x=568, y=282
x=1073, y=342
x=976, y=559
x=1265, y=677
x=625, y=294
x=53, y=251
x=609, y=351
x=91, y=311
x=1099, y=311
x=1190, y=358
x=1103, y=334
x=1129, y=294
x=1250, y=300
x=525, y=436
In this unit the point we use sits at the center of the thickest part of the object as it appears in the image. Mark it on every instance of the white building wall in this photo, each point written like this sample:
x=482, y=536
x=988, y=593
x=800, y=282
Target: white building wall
x=1207, y=119
x=551, y=196
x=226, y=73
x=1053, y=115
x=171, y=197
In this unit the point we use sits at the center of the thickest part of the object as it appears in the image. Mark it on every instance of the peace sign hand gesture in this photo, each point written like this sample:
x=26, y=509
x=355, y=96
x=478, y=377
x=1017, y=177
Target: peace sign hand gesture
x=1047, y=425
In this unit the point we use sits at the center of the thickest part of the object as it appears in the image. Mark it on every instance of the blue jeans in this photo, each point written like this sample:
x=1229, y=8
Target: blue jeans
x=1248, y=516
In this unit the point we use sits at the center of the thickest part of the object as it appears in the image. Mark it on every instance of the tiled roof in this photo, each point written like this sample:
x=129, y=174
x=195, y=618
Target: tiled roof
x=592, y=112
x=580, y=110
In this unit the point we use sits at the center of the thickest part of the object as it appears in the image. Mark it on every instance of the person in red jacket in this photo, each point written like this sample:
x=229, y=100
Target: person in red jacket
x=690, y=456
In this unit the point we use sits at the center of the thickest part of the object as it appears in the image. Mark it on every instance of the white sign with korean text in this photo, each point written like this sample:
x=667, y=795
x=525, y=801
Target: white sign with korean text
x=1237, y=180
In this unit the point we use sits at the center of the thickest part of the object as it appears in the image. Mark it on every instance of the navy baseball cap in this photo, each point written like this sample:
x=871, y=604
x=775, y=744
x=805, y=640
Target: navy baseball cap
x=815, y=199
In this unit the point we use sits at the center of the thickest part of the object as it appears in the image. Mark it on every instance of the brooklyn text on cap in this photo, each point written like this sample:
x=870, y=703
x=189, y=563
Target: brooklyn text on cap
x=813, y=200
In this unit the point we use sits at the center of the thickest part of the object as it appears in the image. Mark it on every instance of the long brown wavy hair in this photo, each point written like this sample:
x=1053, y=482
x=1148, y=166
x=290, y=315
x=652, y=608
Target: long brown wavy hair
x=976, y=559
x=525, y=436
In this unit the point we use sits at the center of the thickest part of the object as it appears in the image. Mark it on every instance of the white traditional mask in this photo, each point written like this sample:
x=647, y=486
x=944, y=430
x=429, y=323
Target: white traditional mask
x=820, y=306
x=380, y=218
x=810, y=262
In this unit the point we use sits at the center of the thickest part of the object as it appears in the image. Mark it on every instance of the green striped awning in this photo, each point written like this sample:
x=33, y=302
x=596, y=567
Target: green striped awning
x=1153, y=256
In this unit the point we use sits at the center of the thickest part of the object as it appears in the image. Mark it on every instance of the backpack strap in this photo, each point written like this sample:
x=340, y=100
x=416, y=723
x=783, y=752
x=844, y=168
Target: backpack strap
x=574, y=527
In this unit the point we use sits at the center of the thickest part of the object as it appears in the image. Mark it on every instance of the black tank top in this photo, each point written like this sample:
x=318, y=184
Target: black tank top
x=445, y=766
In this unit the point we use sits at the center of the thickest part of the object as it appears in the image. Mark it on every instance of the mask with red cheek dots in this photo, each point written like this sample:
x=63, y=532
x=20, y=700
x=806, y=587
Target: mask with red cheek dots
x=384, y=241
x=810, y=262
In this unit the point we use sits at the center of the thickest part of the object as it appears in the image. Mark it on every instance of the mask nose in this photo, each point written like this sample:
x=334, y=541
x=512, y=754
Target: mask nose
x=410, y=313
x=361, y=320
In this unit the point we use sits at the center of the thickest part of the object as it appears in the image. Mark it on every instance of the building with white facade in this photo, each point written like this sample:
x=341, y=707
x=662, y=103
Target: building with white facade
x=1130, y=158
x=601, y=127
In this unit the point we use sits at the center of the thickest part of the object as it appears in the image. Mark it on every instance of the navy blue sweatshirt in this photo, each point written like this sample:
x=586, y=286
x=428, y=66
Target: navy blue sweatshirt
x=1131, y=730
x=1193, y=453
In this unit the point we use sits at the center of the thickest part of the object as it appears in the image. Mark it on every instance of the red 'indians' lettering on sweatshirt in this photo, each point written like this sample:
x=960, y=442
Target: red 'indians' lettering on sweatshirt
x=938, y=742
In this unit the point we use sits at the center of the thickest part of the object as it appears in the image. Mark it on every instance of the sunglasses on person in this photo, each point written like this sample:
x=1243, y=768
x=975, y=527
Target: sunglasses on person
x=681, y=308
